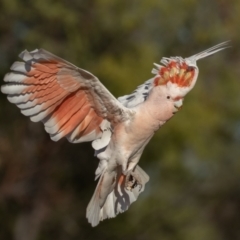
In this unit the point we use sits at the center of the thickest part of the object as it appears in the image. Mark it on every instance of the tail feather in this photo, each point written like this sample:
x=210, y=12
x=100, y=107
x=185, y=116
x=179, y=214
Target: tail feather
x=93, y=208
x=105, y=186
x=117, y=201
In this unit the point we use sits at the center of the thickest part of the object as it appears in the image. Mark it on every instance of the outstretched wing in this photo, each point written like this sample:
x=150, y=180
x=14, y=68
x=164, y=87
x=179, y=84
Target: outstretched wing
x=70, y=101
x=138, y=96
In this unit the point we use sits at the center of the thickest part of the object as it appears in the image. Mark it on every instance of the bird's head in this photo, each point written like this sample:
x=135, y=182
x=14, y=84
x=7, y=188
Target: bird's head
x=179, y=75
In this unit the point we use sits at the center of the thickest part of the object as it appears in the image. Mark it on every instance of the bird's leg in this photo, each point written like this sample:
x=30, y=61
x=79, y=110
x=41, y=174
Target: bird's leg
x=133, y=180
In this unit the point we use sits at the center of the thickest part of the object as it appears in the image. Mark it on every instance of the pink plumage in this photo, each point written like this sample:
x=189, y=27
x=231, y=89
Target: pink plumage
x=73, y=103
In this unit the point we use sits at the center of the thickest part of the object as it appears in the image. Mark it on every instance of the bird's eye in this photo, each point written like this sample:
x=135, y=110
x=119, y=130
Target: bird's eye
x=168, y=97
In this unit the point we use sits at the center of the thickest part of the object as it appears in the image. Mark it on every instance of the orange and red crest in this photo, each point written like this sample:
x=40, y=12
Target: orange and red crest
x=179, y=73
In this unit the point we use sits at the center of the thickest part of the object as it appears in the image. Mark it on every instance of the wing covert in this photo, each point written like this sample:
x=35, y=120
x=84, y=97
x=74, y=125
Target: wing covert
x=138, y=96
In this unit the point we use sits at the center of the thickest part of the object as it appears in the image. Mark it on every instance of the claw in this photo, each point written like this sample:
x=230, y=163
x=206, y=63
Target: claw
x=132, y=181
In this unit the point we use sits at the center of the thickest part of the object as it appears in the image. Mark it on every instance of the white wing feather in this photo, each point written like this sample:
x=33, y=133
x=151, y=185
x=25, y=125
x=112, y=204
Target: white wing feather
x=138, y=96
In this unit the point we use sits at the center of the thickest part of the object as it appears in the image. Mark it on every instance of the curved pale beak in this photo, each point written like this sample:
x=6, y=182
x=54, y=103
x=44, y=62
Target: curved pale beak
x=178, y=105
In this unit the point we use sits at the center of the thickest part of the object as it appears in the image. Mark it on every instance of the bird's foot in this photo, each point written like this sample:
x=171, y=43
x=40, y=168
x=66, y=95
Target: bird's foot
x=133, y=180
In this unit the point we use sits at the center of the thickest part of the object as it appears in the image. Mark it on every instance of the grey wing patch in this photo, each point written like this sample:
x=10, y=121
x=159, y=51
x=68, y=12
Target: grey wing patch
x=138, y=96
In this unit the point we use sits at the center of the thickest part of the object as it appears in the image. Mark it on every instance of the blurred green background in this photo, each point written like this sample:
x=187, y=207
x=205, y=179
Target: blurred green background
x=193, y=161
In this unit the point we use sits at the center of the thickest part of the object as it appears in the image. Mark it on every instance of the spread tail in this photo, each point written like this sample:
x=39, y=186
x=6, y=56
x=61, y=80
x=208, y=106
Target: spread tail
x=110, y=199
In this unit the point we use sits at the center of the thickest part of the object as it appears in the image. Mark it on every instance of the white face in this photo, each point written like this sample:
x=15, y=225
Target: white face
x=176, y=95
x=169, y=98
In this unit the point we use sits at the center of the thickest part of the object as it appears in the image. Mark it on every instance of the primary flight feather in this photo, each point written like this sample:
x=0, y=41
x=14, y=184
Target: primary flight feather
x=71, y=102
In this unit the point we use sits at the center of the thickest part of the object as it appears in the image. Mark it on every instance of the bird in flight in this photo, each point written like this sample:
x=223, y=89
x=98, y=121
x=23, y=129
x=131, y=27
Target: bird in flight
x=71, y=102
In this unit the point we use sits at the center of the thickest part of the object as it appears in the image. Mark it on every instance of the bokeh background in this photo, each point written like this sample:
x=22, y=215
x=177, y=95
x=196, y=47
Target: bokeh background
x=193, y=161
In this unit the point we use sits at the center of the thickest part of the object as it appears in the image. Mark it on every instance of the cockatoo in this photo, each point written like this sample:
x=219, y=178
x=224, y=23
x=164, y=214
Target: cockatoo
x=71, y=102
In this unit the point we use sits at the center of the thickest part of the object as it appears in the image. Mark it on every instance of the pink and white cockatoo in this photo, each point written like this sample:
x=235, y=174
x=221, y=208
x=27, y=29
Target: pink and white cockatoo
x=71, y=102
